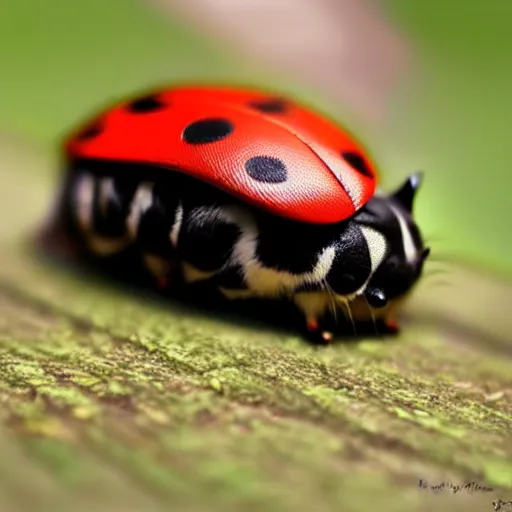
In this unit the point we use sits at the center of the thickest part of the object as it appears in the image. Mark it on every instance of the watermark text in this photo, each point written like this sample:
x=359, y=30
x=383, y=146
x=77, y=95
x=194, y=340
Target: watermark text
x=454, y=488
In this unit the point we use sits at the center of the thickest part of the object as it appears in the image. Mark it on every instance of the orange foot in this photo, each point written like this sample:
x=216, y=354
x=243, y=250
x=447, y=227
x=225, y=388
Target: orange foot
x=392, y=327
x=316, y=334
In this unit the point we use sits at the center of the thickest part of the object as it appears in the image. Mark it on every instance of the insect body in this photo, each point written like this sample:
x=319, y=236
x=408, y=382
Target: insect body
x=257, y=195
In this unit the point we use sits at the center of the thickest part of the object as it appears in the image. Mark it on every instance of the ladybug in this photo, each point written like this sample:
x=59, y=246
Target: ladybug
x=254, y=194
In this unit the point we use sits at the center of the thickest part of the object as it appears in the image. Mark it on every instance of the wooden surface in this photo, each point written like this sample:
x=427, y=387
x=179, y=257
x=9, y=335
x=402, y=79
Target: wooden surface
x=113, y=400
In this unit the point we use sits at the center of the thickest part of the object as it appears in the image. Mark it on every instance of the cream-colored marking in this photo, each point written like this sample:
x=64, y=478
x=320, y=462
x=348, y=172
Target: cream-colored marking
x=236, y=294
x=313, y=305
x=106, y=193
x=264, y=281
x=104, y=246
x=411, y=253
x=141, y=202
x=377, y=247
x=192, y=274
x=270, y=282
x=84, y=196
x=176, y=227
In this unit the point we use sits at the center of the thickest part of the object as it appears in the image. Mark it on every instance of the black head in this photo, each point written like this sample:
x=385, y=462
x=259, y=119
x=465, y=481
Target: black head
x=404, y=253
x=377, y=258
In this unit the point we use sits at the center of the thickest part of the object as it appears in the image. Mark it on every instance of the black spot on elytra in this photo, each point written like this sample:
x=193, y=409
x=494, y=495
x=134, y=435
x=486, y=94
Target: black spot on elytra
x=207, y=130
x=356, y=161
x=90, y=132
x=266, y=169
x=145, y=105
x=270, y=106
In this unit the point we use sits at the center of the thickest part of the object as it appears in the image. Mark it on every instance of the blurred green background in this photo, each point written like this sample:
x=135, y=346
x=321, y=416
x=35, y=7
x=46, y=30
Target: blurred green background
x=451, y=117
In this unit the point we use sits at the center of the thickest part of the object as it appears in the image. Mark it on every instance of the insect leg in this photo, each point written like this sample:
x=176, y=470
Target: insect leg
x=100, y=205
x=154, y=214
x=314, y=305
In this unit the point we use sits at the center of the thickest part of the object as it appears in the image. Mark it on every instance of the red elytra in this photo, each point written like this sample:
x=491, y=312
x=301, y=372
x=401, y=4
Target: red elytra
x=315, y=183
